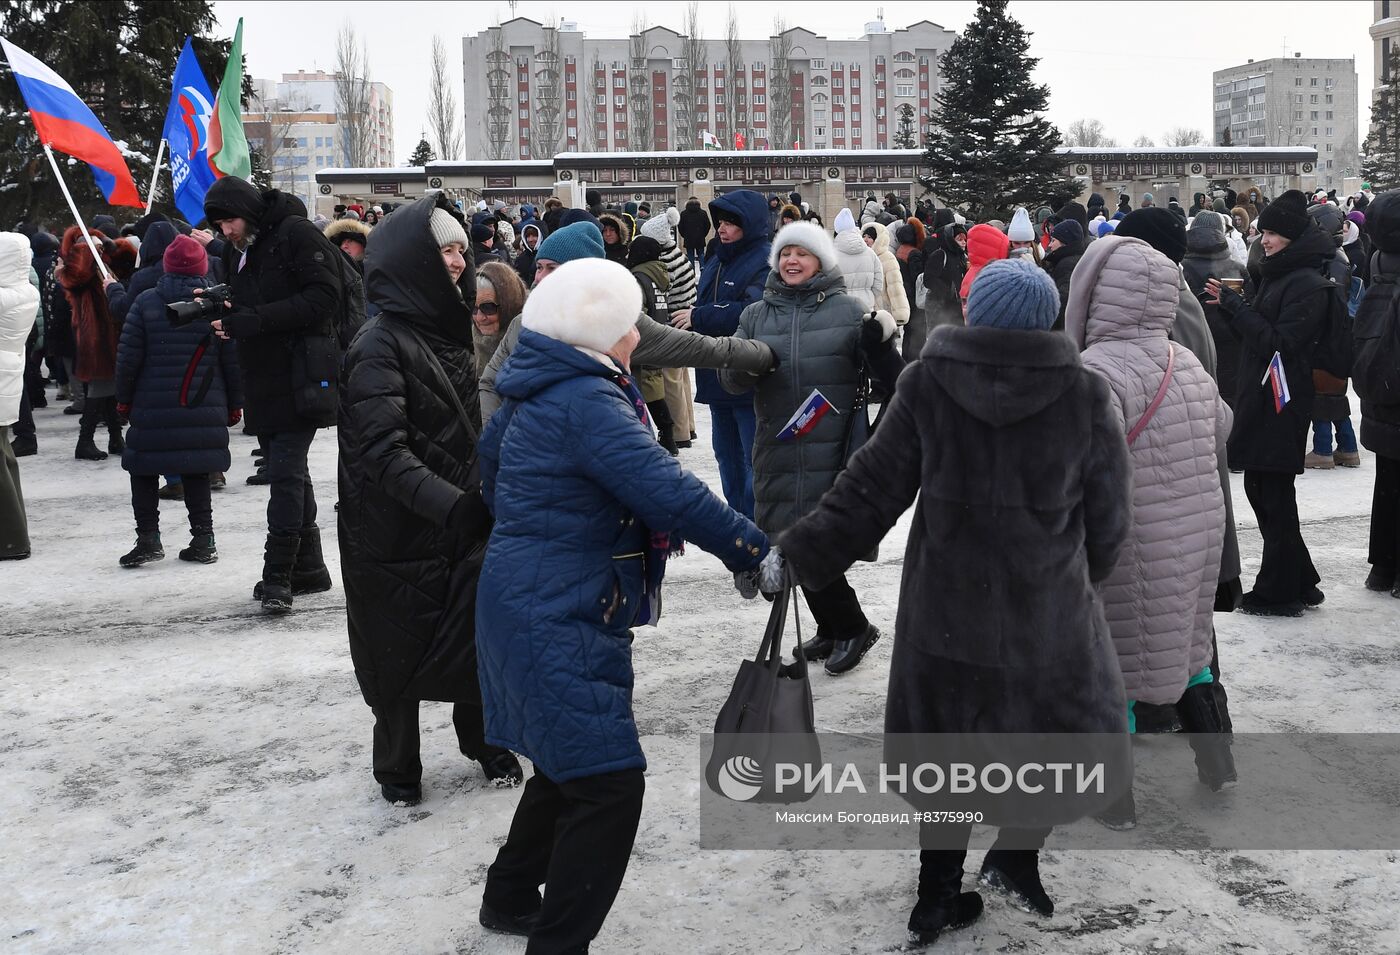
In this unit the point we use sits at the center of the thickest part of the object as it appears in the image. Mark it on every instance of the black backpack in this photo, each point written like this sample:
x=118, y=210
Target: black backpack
x=1334, y=350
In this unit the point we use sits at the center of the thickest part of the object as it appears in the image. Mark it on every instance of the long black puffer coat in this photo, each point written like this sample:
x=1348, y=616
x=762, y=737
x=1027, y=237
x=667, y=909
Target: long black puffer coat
x=288, y=288
x=407, y=466
x=173, y=429
x=945, y=264
x=1286, y=315
x=815, y=331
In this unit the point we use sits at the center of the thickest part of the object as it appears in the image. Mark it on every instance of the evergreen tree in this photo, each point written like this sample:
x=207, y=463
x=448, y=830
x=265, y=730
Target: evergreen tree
x=1380, y=152
x=904, y=136
x=260, y=176
x=992, y=149
x=119, y=56
x=422, y=154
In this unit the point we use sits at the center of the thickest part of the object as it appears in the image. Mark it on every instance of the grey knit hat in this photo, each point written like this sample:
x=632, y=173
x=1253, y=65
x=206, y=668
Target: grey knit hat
x=1014, y=294
x=445, y=229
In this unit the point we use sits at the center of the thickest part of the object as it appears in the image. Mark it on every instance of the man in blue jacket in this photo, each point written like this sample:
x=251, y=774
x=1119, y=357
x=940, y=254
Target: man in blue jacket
x=731, y=281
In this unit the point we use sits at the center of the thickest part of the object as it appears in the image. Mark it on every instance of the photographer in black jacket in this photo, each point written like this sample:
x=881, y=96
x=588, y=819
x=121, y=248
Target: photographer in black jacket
x=286, y=299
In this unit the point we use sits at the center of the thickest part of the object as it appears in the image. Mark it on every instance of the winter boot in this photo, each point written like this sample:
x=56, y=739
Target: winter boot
x=201, y=549
x=309, y=573
x=217, y=481
x=1255, y=606
x=401, y=795
x=498, y=921
x=87, y=449
x=1322, y=462
x=171, y=492
x=1380, y=579
x=1215, y=764
x=1121, y=816
x=1347, y=459
x=147, y=549
x=24, y=445
x=818, y=647
x=260, y=477
x=847, y=653
x=1016, y=874
x=1313, y=597
x=665, y=426
x=503, y=769
x=942, y=903
x=279, y=557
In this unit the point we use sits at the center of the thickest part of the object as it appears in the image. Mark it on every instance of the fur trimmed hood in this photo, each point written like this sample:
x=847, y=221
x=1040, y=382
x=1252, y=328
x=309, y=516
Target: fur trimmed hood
x=342, y=229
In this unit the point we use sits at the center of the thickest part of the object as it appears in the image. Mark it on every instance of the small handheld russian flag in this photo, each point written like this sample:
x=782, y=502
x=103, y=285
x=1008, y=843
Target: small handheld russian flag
x=1278, y=381
x=805, y=418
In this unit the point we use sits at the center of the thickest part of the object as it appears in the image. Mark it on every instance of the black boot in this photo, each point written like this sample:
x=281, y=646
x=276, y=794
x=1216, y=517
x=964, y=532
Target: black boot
x=665, y=425
x=309, y=573
x=201, y=549
x=24, y=445
x=818, y=647
x=1121, y=816
x=503, y=769
x=847, y=653
x=942, y=903
x=87, y=449
x=280, y=555
x=1380, y=579
x=508, y=924
x=407, y=795
x=1016, y=874
x=115, y=442
x=147, y=549
x=1215, y=764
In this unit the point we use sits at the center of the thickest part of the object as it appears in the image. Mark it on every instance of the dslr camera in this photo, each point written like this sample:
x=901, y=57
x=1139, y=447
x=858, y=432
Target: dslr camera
x=207, y=306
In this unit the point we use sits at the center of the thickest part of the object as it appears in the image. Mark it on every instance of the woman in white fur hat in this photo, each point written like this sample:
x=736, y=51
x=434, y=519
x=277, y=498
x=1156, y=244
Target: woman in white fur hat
x=826, y=342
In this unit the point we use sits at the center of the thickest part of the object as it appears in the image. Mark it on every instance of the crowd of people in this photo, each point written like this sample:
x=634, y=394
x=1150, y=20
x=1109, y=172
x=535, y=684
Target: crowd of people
x=1064, y=394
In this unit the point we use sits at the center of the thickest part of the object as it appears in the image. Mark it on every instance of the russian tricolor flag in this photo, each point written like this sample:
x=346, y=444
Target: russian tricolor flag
x=64, y=122
x=1278, y=381
x=805, y=418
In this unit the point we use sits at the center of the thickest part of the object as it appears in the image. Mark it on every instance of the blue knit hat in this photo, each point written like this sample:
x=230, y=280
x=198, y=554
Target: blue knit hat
x=582, y=240
x=1013, y=293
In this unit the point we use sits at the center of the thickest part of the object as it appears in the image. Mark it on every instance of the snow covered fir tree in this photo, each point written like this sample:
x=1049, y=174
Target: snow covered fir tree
x=991, y=148
x=422, y=154
x=1380, y=152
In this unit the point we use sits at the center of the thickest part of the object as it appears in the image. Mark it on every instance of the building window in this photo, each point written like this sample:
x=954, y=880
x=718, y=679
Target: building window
x=524, y=96
x=571, y=95
x=1312, y=81
x=524, y=114
x=880, y=128
x=1314, y=115
x=619, y=83
x=838, y=99
x=1297, y=81
x=678, y=63
x=819, y=115
x=1313, y=98
x=1329, y=147
x=904, y=74
x=573, y=114
x=758, y=99
x=1329, y=130
x=904, y=56
x=904, y=89
x=620, y=135
x=1329, y=114
x=573, y=132
x=879, y=61
x=1330, y=82
x=819, y=64
x=1328, y=98
x=719, y=99
x=1297, y=114
x=855, y=99
x=619, y=101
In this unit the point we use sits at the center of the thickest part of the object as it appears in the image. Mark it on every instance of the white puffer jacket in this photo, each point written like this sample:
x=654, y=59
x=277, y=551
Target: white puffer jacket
x=860, y=267
x=893, y=299
x=1160, y=598
x=19, y=303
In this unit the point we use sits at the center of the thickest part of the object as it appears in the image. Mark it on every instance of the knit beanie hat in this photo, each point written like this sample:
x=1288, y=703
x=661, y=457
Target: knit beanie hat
x=1146, y=199
x=806, y=235
x=1287, y=215
x=185, y=256
x=642, y=250
x=588, y=302
x=445, y=229
x=1357, y=216
x=845, y=221
x=582, y=240
x=1069, y=232
x=1158, y=228
x=1021, y=229
x=659, y=228
x=482, y=233
x=905, y=235
x=1044, y=213
x=1106, y=228
x=1013, y=294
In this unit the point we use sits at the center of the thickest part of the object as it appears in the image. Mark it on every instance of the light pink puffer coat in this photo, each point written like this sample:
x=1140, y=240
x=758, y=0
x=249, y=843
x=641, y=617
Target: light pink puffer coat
x=1160, y=598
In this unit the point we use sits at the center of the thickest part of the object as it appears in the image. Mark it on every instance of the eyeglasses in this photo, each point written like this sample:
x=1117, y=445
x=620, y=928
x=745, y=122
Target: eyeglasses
x=489, y=309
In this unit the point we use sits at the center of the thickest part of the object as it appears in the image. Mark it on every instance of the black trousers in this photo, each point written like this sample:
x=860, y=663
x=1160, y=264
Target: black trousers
x=145, y=502
x=1385, y=515
x=396, y=746
x=292, y=504
x=576, y=839
x=1285, y=568
x=836, y=608
x=24, y=425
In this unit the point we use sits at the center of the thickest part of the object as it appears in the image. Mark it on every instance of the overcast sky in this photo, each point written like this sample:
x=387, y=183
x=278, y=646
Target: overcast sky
x=1139, y=67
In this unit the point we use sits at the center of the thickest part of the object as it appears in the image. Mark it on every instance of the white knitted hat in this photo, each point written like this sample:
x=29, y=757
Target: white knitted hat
x=660, y=227
x=587, y=302
x=809, y=236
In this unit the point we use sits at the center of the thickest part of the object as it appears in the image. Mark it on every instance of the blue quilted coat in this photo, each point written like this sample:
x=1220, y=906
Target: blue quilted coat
x=156, y=366
x=731, y=280
x=577, y=484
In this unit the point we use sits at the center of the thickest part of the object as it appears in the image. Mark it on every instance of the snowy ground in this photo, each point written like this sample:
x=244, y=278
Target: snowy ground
x=185, y=775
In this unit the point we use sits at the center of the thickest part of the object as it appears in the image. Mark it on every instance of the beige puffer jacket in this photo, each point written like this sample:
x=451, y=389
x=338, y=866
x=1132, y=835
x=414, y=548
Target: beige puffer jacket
x=893, y=299
x=1160, y=598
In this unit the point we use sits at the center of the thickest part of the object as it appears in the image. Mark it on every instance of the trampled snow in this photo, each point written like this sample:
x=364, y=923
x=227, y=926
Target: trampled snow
x=183, y=774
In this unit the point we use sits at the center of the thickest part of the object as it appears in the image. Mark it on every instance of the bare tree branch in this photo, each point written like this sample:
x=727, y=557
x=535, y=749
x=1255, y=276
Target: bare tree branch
x=734, y=106
x=499, y=102
x=779, y=85
x=1087, y=133
x=353, y=95
x=1181, y=136
x=639, y=87
x=442, y=105
x=696, y=61
x=545, y=128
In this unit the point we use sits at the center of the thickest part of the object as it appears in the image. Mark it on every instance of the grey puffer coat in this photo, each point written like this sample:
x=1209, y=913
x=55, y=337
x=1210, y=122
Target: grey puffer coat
x=1160, y=598
x=815, y=331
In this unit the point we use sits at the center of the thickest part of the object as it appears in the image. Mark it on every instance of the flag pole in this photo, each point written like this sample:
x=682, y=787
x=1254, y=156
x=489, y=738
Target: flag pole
x=155, y=175
x=72, y=206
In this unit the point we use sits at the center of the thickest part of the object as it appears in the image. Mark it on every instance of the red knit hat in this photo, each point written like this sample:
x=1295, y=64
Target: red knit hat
x=185, y=256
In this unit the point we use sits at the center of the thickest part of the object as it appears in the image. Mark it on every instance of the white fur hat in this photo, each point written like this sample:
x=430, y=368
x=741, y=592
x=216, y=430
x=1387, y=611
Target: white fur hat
x=587, y=302
x=659, y=227
x=845, y=221
x=809, y=236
